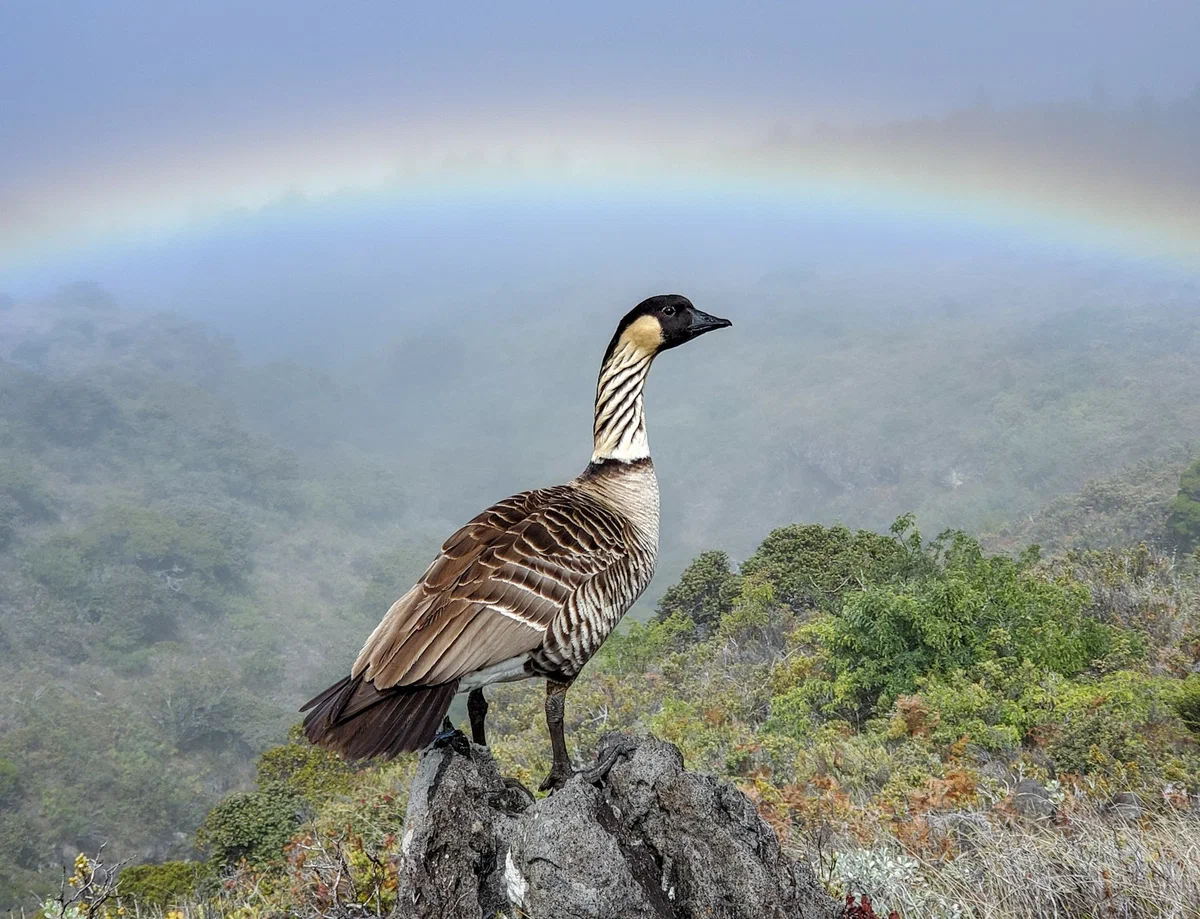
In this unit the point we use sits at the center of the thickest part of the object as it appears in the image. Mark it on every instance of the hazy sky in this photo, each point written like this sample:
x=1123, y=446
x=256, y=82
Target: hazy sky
x=86, y=80
x=123, y=121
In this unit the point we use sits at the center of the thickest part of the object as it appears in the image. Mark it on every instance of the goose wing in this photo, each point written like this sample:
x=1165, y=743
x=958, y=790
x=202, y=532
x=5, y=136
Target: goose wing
x=494, y=589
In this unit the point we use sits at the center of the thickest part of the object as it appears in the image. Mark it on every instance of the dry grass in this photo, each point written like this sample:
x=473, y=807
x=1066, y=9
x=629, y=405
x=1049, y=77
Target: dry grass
x=1093, y=867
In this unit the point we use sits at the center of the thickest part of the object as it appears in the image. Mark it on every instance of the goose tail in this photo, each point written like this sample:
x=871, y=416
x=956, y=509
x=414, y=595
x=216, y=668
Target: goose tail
x=358, y=720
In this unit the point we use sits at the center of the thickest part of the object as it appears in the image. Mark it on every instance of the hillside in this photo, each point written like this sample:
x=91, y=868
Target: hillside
x=942, y=730
x=192, y=543
x=169, y=582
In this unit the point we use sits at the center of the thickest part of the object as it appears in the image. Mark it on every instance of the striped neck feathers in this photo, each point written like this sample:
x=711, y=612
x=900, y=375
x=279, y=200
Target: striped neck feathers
x=619, y=428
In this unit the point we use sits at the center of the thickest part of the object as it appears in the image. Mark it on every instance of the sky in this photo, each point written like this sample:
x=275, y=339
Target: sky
x=107, y=78
x=152, y=145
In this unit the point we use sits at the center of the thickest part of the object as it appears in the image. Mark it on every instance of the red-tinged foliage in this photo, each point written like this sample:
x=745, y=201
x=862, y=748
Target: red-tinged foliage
x=863, y=909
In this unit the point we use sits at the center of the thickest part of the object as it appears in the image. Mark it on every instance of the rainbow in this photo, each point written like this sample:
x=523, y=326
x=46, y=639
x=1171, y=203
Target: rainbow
x=1052, y=197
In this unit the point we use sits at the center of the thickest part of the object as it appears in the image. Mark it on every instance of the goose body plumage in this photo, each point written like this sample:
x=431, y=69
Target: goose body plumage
x=531, y=587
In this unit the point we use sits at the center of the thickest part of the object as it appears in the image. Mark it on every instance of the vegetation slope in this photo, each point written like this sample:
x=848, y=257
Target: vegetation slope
x=191, y=544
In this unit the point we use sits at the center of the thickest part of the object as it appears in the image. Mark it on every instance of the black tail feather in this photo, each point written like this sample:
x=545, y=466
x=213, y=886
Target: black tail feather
x=360, y=721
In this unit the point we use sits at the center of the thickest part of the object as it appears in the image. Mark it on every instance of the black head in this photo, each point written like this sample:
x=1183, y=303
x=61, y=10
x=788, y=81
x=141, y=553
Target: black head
x=663, y=322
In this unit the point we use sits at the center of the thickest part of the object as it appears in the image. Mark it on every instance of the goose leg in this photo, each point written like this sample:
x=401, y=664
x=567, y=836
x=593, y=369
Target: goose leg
x=477, y=708
x=560, y=770
x=556, y=705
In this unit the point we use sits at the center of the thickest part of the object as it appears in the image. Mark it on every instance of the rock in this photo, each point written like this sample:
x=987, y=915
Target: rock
x=1126, y=805
x=654, y=841
x=1032, y=799
x=460, y=815
x=967, y=830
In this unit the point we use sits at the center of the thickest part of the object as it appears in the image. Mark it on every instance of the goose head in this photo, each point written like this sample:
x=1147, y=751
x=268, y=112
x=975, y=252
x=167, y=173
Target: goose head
x=660, y=323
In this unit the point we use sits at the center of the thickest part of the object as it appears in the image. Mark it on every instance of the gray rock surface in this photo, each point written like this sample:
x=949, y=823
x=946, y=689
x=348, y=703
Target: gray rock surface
x=1030, y=798
x=653, y=841
x=1126, y=805
x=967, y=830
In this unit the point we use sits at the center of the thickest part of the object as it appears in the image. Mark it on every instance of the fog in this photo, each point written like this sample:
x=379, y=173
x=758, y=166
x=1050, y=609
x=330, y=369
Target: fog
x=288, y=291
x=440, y=217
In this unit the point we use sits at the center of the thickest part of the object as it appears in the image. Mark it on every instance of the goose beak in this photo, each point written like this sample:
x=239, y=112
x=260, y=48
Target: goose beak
x=703, y=322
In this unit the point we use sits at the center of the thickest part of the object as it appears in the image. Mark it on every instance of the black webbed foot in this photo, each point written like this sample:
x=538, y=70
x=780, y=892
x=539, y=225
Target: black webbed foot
x=452, y=737
x=559, y=777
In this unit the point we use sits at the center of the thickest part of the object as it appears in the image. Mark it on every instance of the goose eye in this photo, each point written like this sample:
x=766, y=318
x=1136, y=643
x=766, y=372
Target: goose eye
x=668, y=311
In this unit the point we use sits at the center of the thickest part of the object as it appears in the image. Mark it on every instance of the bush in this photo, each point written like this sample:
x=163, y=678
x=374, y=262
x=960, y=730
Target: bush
x=639, y=645
x=10, y=782
x=160, y=886
x=1121, y=726
x=254, y=826
x=1183, y=524
x=1139, y=589
x=22, y=499
x=74, y=413
x=811, y=565
x=59, y=563
x=704, y=593
x=18, y=842
x=971, y=608
x=307, y=771
x=127, y=579
x=986, y=710
x=1186, y=701
x=205, y=708
x=10, y=517
x=90, y=771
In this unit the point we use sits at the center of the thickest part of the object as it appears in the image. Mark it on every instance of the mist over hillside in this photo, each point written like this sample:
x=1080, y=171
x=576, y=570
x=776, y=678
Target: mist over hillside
x=225, y=452
x=965, y=393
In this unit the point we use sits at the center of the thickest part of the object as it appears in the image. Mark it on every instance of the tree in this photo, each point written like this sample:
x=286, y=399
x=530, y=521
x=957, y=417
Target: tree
x=811, y=565
x=1183, y=524
x=704, y=594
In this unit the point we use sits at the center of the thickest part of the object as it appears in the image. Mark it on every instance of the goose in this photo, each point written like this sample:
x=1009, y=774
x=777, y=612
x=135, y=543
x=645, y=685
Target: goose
x=529, y=588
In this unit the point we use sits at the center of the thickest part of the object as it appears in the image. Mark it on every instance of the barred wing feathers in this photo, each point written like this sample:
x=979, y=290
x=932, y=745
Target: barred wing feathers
x=495, y=589
x=490, y=596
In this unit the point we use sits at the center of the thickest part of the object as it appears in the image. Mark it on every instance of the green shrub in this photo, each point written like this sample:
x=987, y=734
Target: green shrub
x=60, y=564
x=73, y=413
x=792, y=714
x=1183, y=524
x=704, y=592
x=205, y=708
x=1186, y=700
x=971, y=608
x=811, y=565
x=10, y=517
x=18, y=842
x=986, y=711
x=10, y=782
x=1121, y=726
x=254, y=826
x=310, y=772
x=160, y=886
x=638, y=645
x=127, y=579
x=22, y=499
x=182, y=549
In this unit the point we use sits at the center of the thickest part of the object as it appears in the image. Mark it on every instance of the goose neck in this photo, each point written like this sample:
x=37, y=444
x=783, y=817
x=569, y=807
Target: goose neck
x=619, y=425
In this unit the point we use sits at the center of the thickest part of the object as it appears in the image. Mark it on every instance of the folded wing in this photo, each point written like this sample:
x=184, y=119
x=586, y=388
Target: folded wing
x=494, y=589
